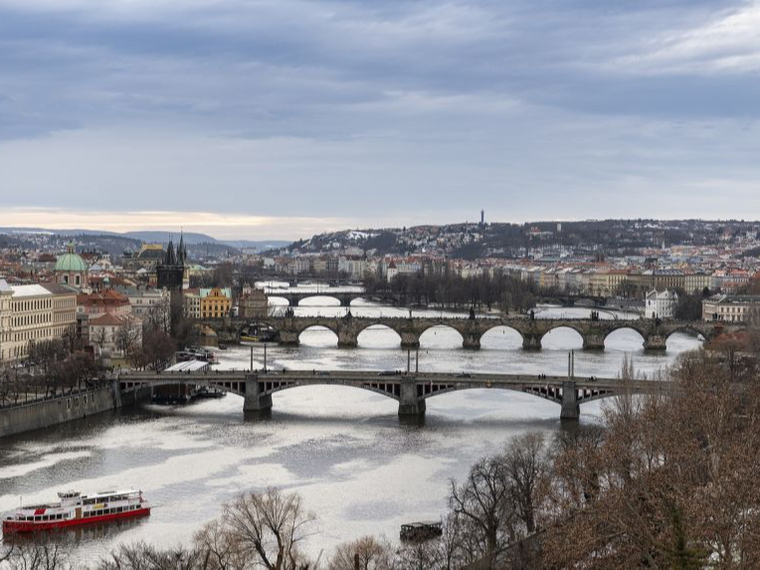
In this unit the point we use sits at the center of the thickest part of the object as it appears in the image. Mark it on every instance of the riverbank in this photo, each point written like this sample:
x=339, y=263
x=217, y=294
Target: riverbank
x=53, y=411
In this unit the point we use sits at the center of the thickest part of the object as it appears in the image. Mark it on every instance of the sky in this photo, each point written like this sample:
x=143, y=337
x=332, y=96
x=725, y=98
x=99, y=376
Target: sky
x=278, y=119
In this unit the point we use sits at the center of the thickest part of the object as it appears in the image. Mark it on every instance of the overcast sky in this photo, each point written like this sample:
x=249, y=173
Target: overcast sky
x=282, y=118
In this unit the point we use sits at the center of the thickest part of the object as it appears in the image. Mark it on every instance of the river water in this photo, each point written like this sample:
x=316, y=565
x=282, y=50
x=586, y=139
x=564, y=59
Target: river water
x=343, y=449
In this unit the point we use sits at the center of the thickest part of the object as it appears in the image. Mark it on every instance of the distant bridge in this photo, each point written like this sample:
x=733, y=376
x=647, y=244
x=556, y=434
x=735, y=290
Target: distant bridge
x=593, y=332
x=294, y=298
x=410, y=390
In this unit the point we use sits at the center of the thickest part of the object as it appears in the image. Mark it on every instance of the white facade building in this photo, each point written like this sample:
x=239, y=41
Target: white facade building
x=31, y=313
x=660, y=305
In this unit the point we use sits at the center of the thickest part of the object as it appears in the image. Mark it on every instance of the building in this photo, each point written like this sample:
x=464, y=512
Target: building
x=145, y=300
x=216, y=304
x=64, y=308
x=660, y=304
x=192, y=303
x=71, y=269
x=171, y=275
x=115, y=334
x=149, y=256
x=731, y=308
x=109, y=302
x=253, y=304
x=32, y=313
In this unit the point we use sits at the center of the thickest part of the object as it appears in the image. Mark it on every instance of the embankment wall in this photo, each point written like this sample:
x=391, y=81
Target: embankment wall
x=47, y=413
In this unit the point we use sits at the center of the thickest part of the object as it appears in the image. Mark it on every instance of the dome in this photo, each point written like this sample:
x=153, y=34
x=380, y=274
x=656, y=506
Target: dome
x=70, y=262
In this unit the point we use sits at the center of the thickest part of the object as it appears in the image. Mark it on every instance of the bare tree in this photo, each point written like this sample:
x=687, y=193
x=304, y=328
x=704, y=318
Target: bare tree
x=526, y=465
x=142, y=556
x=32, y=555
x=486, y=514
x=269, y=527
x=221, y=548
x=366, y=553
x=128, y=338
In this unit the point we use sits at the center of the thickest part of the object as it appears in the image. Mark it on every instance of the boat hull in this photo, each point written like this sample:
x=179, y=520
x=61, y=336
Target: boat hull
x=13, y=526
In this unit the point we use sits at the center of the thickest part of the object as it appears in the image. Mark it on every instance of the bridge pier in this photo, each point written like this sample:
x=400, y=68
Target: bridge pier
x=254, y=401
x=410, y=340
x=410, y=405
x=655, y=342
x=289, y=338
x=347, y=339
x=571, y=409
x=593, y=341
x=471, y=341
x=531, y=341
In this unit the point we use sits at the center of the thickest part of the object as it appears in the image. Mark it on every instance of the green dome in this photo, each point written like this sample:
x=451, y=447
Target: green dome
x=70, y=262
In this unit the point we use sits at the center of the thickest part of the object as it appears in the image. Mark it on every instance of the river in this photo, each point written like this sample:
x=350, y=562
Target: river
x=343, y=449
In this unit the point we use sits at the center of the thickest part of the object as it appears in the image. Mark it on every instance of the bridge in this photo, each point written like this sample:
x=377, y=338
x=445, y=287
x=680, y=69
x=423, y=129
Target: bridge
x=294, y=298
x=411, y=391
x=655, y=333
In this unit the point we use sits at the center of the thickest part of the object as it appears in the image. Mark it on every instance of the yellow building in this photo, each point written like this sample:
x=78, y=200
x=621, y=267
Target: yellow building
x=216, y=304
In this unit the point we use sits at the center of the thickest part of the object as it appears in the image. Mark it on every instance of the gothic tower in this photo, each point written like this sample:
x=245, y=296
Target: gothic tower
x=170, y=274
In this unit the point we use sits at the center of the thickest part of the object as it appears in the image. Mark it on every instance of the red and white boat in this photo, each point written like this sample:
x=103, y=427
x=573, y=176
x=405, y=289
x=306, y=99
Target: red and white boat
x=76, y=509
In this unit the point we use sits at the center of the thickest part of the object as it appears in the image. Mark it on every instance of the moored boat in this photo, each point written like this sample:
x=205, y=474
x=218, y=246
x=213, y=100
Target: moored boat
x=76, y=509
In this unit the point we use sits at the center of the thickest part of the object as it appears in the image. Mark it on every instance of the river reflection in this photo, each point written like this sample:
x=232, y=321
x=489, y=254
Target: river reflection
x=344, y=450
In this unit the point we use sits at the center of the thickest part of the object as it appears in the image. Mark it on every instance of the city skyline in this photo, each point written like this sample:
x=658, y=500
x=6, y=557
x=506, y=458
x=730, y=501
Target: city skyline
x=278, y=120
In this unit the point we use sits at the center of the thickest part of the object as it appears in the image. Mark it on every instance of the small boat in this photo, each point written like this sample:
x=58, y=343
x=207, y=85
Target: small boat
x=77, y=509
x=421, y=531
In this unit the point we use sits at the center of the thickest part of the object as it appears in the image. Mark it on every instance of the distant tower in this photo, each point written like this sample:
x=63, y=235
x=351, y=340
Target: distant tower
x=482, y=217
x=170, y=274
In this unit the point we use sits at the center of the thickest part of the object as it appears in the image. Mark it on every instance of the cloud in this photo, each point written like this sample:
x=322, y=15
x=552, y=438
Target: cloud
x=288, y=109
x=728, y=43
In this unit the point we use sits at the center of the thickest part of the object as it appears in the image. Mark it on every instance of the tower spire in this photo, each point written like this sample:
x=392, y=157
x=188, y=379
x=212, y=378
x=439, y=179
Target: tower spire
x=181, y=250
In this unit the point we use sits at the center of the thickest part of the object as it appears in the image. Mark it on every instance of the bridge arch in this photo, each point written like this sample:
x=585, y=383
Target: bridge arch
x=309, y=301
x=625, y=331
x=390, y=390
x=316, y=335
x=232, y=386
x=278, y=300
x=694, y=331
x=441, y=335
x=549, y=340
x=501, y=336
x=385, y=336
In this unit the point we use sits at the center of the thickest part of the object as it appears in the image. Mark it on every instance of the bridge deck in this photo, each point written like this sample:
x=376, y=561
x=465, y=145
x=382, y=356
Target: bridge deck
x=359, y=376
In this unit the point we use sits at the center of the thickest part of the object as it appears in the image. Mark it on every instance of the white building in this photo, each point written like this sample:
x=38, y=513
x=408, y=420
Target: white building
x=731, y=308
x=660, y=305
x=32, y=313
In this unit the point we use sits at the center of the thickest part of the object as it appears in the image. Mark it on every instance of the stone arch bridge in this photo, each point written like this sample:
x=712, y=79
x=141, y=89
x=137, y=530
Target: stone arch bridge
x=411, y=391
x=593, y=332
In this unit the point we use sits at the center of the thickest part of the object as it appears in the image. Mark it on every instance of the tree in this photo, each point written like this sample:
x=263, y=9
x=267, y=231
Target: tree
x=142, y=556
x=32, y=555
x=269, y=527
x=366, y=553
x=157, y=348
x=222, y=549
x=128, y=337
x=484, y=512
x=159, y=316
x=526, y=463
